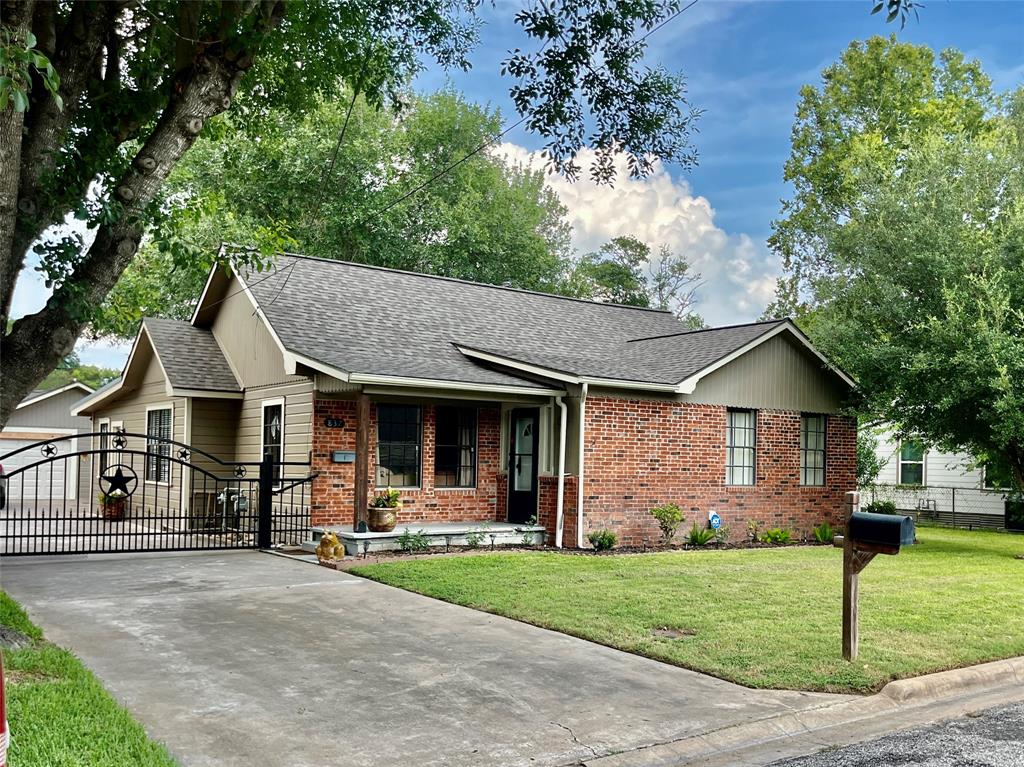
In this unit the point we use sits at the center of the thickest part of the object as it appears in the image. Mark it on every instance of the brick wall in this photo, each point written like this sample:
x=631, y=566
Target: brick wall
x=642, y=453
x=334, y=486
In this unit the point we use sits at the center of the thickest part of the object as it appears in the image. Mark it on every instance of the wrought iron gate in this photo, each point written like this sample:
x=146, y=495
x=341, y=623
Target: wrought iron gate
x=127, y=492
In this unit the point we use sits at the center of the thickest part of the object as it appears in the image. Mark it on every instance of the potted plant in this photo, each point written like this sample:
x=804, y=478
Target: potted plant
x=113, y=505
x=384, y=508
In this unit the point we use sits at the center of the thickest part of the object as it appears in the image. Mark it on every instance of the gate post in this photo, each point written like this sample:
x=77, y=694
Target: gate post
x=264, y=521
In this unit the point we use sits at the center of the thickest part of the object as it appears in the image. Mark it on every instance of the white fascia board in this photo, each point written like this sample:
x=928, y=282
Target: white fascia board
x=316, y=365
x=206, y=393
x=156, y=355
x=102, y=395
x=688, y=385
x=432, y=383
x=618, y=383
x=55, y=392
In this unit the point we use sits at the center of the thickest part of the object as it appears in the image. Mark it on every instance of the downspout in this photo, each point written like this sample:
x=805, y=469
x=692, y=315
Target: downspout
x=579, y=473
x=560, y=506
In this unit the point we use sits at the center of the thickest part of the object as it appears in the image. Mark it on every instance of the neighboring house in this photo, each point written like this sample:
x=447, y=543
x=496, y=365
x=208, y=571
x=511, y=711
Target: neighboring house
x=951, y=488
x=475, y=400
x=44, y=415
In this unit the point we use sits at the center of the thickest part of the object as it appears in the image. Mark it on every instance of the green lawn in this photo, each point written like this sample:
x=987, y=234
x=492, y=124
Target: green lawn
x=60, y=716
x=761, y=617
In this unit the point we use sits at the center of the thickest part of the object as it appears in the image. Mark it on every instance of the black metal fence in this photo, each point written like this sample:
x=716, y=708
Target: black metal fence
x=158, y=495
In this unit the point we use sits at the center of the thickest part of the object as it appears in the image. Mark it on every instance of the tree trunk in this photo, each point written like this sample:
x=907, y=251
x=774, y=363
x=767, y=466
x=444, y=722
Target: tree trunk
x=38, y=342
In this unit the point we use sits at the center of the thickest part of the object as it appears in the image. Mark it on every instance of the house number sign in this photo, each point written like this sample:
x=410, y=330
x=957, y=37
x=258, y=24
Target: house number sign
x=334, y=423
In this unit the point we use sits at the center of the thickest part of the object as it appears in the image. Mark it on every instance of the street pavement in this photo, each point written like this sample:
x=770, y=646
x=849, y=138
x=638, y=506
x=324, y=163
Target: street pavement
x=990, y=738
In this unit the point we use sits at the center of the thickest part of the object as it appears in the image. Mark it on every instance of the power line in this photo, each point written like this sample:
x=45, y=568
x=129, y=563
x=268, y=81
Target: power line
x=446, y=170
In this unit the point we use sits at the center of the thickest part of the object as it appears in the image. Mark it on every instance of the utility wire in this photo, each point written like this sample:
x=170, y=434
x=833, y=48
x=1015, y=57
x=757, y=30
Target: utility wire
x=449, y=168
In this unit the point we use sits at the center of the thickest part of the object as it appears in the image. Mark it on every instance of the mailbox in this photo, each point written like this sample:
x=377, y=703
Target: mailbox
x=886, y=530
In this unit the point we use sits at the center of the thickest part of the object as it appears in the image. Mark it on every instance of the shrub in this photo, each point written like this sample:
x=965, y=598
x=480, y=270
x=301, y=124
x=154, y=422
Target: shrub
x=777, y=535
x=754, y=530
x=722, y=534
x=475, y=536
x=413, y=542
x=824, y=533
x=699, y=536
x=387, y=499
x=880, y=507
x=602, y=540
x=669, y=515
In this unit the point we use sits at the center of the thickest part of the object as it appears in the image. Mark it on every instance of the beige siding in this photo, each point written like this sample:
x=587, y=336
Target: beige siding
x=247, y=343
x=214, y=430
x=129, y=410
x=298, y=415
x=53, y=411
x=777, y=374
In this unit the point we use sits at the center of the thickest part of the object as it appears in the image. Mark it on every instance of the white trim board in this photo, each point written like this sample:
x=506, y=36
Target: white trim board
x=53, y=392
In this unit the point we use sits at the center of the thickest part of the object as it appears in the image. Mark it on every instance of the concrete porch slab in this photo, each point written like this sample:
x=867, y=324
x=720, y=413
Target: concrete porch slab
x=438, y=534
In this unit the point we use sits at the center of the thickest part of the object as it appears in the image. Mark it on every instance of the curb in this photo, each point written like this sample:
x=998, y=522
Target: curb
x=902, y=696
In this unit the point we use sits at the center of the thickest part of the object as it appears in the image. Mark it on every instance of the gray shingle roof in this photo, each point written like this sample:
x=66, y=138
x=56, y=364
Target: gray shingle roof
x=190, y=356
x=370, y=320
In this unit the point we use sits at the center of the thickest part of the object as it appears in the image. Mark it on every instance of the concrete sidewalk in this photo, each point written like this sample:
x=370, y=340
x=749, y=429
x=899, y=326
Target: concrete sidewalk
x=245, y=658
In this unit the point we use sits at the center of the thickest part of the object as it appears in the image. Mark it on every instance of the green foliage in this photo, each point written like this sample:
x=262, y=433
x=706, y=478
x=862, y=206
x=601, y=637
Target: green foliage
x=753, y=530
x=669, y=517
x=879, y=507
x=904, y=242
x=699, y=536
x=869, y=465
x=19, y=59
x=71, y=369
x=722, y=534
x=413, y=543
x=824, y=533
x=476, y=536
x=777, y=535
x=390, y=498
x=616, y=273
x=602, y=540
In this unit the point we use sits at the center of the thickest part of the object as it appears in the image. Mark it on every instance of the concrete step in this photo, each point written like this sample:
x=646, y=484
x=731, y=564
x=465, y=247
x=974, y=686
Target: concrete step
x=438, y=535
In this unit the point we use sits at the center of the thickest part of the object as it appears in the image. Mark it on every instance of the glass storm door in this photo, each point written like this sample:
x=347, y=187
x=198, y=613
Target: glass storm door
x=522, y=464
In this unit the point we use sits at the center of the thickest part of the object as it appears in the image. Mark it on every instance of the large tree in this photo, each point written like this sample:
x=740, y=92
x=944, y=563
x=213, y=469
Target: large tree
x=296, y=186
x=140, y=80
x=904, y=243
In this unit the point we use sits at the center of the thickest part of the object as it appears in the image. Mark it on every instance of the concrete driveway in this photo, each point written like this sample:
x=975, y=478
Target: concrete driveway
x=252, y=659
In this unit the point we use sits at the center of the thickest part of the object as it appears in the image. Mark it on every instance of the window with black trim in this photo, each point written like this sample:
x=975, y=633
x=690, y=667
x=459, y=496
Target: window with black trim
x=158, y=450
x=455, y=447
x=911, y=466
x=740, y=443
x=812, y=449
x=398, y=446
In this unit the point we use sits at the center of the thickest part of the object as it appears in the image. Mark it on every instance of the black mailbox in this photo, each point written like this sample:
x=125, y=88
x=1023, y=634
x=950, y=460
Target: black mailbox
x=886, y=530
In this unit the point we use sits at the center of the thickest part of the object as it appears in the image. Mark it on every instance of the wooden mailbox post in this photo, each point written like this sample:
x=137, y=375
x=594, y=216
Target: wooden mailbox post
x=864, y=536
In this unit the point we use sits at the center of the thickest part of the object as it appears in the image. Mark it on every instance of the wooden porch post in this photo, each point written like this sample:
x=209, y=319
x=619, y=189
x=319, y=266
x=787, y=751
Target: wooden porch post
x=362, y=458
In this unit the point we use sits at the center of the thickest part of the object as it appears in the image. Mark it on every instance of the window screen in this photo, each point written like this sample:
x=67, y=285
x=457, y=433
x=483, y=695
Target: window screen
x=158, y=425
x=741, y=439
x=398, y=446
x=455, y=447
x=812, y=450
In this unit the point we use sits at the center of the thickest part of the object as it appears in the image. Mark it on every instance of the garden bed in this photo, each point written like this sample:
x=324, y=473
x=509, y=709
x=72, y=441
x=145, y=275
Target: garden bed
x=765, y=617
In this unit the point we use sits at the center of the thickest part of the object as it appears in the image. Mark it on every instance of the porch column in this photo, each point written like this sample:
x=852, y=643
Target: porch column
x=362, y=458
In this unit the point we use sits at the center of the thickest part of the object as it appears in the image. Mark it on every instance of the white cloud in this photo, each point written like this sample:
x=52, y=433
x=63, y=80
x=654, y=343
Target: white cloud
x=739, y=272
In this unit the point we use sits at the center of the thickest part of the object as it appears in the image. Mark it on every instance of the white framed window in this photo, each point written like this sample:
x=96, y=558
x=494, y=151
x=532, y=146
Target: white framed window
x=159, y=427
x=911, y=463
x=740, y=445
x=812, y=449
x=103, y=445
x=272, y=433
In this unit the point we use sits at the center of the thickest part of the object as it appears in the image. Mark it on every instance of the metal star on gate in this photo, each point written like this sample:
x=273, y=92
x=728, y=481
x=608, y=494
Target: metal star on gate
x=49, y=450
x=239, y=471
x=119, y=478
x=184, y=454
x=119, y=442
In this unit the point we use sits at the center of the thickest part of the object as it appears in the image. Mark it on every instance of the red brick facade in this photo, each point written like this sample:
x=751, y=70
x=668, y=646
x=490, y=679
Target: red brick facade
x=643, y=453
x=639, y=454
x=334, y=486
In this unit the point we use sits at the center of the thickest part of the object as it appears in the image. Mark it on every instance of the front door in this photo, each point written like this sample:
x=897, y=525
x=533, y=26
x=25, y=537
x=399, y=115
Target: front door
x=522, y=464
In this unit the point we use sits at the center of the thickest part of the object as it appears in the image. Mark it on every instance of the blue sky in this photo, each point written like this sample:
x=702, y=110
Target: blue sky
x=745, y=63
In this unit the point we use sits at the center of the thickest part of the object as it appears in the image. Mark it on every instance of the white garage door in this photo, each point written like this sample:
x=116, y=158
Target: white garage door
x=43, y=479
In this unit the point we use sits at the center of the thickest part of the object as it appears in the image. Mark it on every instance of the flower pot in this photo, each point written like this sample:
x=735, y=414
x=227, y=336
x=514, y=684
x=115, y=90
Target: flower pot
x=382, y=519
x=113, y=509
